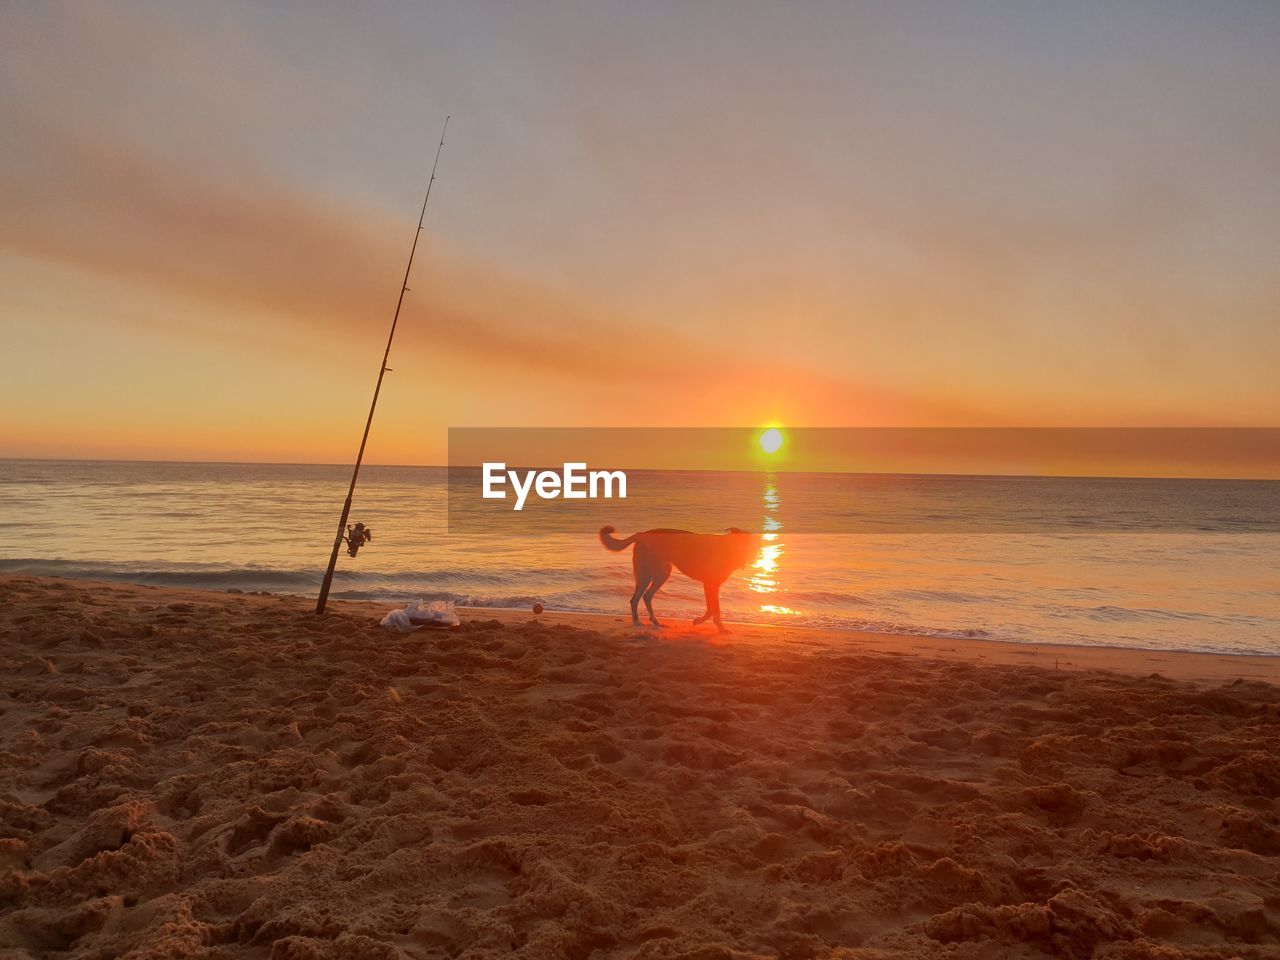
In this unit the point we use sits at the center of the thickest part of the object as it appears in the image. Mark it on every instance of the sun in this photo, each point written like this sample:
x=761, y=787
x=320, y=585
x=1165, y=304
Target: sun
x=771, y=440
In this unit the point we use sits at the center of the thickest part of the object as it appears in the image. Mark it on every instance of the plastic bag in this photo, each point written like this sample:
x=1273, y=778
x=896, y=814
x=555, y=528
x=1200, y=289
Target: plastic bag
x=437, y=613
x=398, y=620
x=420, y=613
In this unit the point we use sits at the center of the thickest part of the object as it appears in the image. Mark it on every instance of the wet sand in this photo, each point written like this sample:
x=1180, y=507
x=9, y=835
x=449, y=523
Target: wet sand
x=194, y=774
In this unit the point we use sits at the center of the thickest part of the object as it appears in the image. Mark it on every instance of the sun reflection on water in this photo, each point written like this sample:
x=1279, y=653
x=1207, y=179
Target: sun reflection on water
x=764, y=575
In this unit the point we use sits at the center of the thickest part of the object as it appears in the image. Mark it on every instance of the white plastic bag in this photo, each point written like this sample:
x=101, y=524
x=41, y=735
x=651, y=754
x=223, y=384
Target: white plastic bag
x=419, y=613
x=437, y=613
x=398, y=620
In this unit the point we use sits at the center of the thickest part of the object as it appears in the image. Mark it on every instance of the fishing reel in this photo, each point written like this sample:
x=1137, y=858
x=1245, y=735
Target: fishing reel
x=357, y=536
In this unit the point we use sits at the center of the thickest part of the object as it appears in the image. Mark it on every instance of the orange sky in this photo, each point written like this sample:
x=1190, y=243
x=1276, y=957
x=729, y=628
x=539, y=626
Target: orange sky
x=960, y=214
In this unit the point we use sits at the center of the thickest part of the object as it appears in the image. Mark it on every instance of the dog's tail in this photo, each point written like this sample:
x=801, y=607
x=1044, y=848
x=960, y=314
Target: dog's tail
x=613, y=543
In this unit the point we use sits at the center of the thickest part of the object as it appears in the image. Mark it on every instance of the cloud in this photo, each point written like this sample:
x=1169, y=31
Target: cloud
x=247, y=248
x=257, y=246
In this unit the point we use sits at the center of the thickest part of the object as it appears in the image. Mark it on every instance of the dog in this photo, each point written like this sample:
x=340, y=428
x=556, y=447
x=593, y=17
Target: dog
x=706, y=557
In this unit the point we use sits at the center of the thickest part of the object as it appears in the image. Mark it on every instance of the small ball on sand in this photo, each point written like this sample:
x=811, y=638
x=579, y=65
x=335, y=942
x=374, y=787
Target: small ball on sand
x=537, y=608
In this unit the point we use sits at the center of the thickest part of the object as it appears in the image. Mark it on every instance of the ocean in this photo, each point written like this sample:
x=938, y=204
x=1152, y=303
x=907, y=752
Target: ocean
x=1212, y=585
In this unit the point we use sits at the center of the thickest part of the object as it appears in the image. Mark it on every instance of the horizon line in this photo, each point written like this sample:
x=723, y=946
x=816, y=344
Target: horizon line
x=838, y=473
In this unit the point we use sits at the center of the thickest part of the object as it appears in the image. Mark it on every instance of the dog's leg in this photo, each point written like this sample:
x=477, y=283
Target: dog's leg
x=635, y=602
x=642, y=580
x=706, y=614
x=712, y=593
x=654, y=585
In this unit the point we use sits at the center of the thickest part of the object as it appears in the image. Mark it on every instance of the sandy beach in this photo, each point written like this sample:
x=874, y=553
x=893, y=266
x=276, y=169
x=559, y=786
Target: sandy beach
x=196, y=774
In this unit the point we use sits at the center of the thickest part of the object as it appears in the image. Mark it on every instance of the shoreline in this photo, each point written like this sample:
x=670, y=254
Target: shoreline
x=1027, y=592
x=1174, y=664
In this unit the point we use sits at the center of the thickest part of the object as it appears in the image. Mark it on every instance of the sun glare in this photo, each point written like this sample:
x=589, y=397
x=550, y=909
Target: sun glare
x=771, y=440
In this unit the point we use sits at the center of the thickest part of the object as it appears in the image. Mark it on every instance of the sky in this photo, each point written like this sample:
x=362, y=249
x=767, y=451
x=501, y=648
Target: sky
x=647, y=215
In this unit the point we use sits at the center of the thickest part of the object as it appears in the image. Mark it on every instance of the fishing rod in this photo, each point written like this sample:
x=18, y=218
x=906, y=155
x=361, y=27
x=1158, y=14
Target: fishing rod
x=361, y=534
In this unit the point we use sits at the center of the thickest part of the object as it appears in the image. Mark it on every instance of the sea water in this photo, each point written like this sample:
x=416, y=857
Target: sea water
x=1214, y=586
